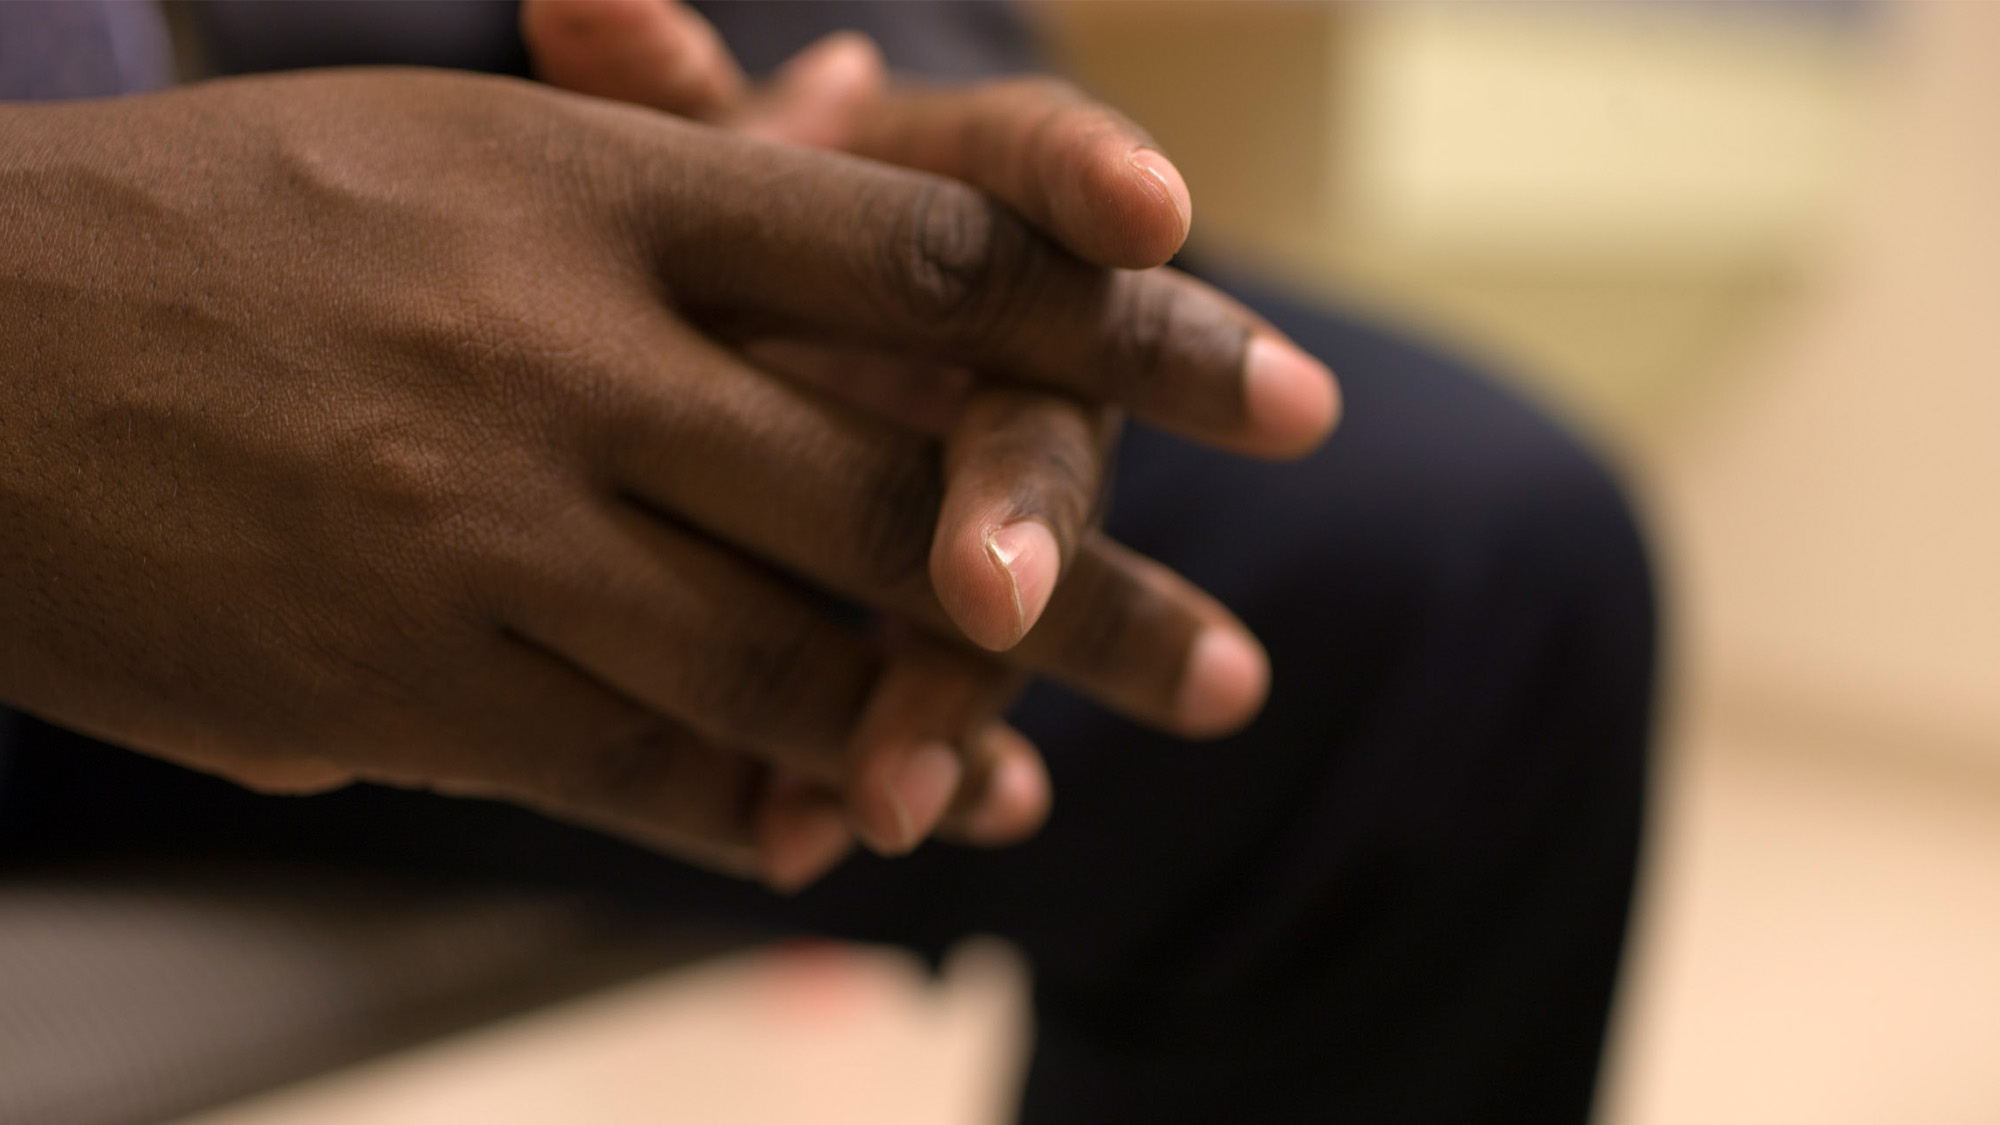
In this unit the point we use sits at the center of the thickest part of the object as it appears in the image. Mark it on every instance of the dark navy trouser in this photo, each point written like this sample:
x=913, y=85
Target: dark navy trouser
x=1399, y=896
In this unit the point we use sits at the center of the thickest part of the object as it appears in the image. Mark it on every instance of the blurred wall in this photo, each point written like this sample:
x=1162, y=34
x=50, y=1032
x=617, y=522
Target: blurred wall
x=1748, y=247
x=1603, y=197
x=1837, y=511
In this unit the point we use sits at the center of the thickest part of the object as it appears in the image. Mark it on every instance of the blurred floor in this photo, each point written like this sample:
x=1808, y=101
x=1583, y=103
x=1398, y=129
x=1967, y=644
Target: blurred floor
x=811, y=1034
x=1819, y=941
x=1817, y=949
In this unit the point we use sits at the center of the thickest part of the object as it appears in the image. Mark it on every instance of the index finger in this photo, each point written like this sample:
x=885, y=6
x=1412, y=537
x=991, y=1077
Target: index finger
x=1071, y=165
x=759, y=241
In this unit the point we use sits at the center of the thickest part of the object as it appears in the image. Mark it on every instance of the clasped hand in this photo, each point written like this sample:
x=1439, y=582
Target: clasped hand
x=462, y=433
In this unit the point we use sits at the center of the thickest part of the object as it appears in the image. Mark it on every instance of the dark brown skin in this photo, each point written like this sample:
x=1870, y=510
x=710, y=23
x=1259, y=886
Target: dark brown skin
x=380, y=425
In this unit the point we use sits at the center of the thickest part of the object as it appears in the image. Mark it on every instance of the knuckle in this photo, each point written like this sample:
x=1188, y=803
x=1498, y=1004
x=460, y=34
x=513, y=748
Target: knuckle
x=944, y=253
x=1170, y=349
x=628, y=769
x=764, y=668
x=896, y=516
x=1139, y=336
x=1051, y=452
x=957, y=261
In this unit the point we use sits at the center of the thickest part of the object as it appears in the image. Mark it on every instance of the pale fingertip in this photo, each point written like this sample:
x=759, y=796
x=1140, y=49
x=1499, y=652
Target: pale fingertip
x=853, y=54
x=818, y=96
x=842, y=66
x=1016, y=803
x=1167, y=179
x=918, y=790
x=1224, y=684
x=925, y=785
x=1028, y=559
x=1291, y=399
x=802, y=843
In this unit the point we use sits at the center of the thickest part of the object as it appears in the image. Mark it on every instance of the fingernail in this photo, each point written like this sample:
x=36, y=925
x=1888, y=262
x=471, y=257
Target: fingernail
x=1026, y=553
x=1016, y=800
x=1160, y=168
x=1290, y=396
x=1225, y=681
x=815, y=839
x=923, y=786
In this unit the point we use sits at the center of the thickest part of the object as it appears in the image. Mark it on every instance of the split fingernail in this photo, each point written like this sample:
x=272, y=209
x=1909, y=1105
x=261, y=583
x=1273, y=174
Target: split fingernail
x=1156, y=165
x=1026, y=552
x=1224, y=684
x=1290, y=397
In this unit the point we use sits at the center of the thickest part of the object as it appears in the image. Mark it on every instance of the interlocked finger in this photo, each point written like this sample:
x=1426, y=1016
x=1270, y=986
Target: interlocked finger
x=537, y=730
x=851, y=504
x=1071, y=165
x=693, y=631
x=813, y=246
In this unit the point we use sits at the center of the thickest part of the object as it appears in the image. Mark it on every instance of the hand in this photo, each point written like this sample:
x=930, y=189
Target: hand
x=373, y=425
x=1082, y=171
x=1078, y=170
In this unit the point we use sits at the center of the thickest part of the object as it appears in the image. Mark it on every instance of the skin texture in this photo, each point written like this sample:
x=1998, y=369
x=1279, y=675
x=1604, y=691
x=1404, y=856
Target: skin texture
x=392, y=425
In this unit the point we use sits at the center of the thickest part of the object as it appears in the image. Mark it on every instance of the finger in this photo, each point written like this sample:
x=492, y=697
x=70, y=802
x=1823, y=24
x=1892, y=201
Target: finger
x=802, y=833
x=554, y=740
x=909, y=766
x=1023, y=471
x=669, y=790
x=827, y=491
x=819, y=97
x=692, y=631
x=746, y=660
x=851, y=505
x=805, y=246
x=1072, y=166
x=911, y=393
x=910, y=776
x=1006, y=795
x=535, y=730
x=1147, y=643
x=655, y=53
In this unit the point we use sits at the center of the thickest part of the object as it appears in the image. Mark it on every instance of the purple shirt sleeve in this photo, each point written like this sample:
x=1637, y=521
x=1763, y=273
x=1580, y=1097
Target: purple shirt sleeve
x=51, y=49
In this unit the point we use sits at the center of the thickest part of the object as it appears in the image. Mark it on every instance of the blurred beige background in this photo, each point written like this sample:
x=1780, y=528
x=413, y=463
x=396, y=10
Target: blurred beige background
x=1754, y=252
